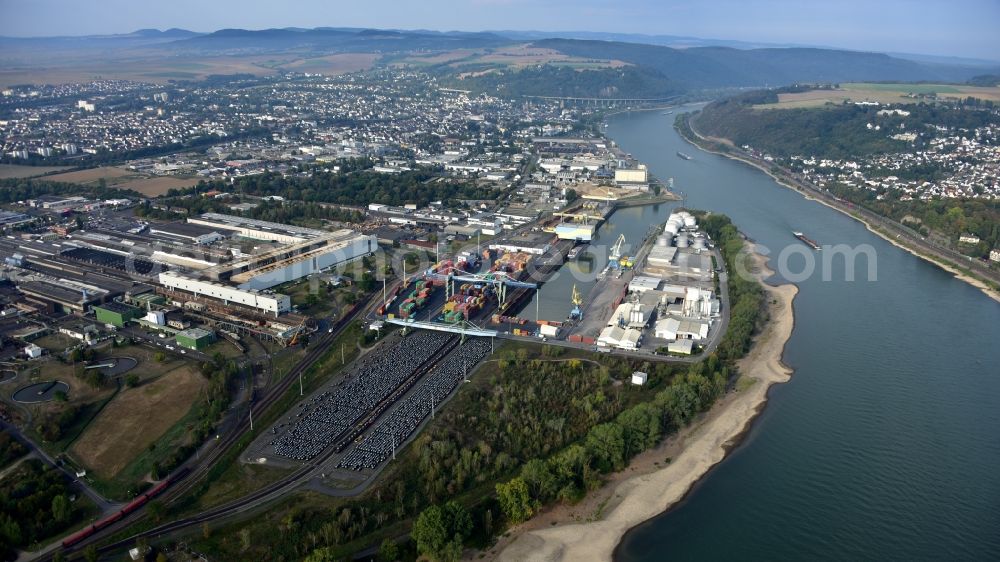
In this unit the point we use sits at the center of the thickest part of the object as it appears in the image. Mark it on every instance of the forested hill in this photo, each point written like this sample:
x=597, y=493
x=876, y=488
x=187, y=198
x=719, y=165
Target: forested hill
x=833, y=131
x=871, y=163
x=552, y=80
x=722, y=67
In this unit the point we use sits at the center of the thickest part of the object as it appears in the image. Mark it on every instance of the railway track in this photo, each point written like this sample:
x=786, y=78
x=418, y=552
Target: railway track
x=202, y=466
x=308, y=471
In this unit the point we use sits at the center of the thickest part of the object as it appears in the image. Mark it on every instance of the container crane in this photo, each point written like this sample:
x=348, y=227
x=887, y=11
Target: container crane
x=577, y=300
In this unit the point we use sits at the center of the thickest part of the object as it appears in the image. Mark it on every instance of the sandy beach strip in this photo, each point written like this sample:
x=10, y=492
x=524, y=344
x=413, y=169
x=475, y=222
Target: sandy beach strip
x=647, y=488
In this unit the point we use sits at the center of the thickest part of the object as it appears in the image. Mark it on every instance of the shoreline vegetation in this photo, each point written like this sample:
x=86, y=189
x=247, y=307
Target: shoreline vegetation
x=473, y=473
x=702, y=142
x=659, y=478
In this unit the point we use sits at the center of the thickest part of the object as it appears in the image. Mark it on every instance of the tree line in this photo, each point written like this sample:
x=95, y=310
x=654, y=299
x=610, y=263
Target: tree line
x=536, y=427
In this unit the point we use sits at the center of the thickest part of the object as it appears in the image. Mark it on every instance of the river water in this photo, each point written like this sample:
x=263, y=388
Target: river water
x=886, y=443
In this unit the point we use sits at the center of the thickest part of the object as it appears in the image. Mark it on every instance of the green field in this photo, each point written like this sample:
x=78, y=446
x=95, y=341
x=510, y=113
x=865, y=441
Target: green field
x=898, y=93
x=903, y=88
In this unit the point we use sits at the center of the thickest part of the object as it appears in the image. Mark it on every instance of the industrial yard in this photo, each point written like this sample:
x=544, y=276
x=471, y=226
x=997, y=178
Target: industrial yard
x=309, y=334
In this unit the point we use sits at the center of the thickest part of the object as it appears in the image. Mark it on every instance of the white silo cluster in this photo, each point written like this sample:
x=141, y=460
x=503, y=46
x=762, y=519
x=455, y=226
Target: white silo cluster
x=676, y=224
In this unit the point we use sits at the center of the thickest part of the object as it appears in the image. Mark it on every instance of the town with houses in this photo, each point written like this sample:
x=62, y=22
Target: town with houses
x=304, y=208
x=332, y=257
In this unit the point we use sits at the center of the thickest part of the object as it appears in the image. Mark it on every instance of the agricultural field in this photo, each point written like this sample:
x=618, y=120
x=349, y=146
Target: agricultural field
x=91, y=175
x=125, y=428
x=160, y=70
x=150, y=186
x=8, y=171
x=156, y=186
x=881, y=93
x=331, y=65
x=515, y=56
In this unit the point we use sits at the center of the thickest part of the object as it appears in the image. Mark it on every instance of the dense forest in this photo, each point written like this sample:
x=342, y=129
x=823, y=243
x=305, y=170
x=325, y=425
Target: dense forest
x=538, y=425
x=20, y=189
x=835, y=131
x=10, y=449
x=35, y=504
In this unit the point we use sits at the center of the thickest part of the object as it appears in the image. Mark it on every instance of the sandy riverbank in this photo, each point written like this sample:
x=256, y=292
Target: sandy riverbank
x=592, y=529
x=947, y=266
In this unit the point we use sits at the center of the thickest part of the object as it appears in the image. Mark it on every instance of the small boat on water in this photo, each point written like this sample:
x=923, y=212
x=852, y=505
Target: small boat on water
x=668, y=112
x=684, y=156
x=808, y=241
x=575, y=251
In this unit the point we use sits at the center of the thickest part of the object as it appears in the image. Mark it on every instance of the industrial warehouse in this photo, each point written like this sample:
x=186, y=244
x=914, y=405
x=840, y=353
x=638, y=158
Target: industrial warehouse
x=220, y=268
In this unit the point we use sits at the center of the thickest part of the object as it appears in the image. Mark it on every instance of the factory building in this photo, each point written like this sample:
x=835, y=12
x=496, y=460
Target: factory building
x=257, y=229
x=301, y=260
x=187, y=233
x=116, y=313
x=622, y=338
x=270, y=303
x=304, y=251
x=195, y=338
x=574, y=231
x=681, y=329
x=59, y=297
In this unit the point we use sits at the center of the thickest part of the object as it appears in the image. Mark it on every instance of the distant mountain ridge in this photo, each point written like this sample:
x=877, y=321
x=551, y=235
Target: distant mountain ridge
x=335, y=40
x=724, y=67
x=654, y=70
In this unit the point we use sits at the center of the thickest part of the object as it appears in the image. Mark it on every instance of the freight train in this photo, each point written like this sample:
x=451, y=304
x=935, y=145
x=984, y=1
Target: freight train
x=135, y=504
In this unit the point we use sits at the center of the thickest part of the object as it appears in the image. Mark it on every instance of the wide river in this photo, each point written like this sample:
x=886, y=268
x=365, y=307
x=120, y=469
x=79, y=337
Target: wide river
x=886, y=442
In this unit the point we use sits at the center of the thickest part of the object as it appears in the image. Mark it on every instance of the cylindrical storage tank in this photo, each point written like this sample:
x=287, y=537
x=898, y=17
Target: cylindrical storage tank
x=671, y=230
x=699, y=243
x=682, y=241
x=690, y=221
x=663, y=240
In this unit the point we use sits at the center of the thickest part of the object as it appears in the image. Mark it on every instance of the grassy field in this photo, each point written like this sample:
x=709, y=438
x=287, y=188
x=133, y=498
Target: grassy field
x=156, y=186
x=56, y=342
x=8, y=171
x=901, y=87
x=881, y=93
x=120, y=177
x=126, y=427
x=332, y=64
x=107, y=173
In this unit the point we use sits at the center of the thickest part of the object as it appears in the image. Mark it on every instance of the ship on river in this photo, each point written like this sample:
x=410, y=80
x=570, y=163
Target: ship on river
x=684, y=156
x=808, y=241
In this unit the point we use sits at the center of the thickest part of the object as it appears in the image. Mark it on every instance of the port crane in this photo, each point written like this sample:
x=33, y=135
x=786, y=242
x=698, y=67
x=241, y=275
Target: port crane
x=577, y=299
x=615, y=258
x=500, y=281
x=616, y=248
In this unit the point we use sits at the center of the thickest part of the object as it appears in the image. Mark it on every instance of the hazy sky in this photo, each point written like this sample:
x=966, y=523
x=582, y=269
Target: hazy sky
x=942, y=27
